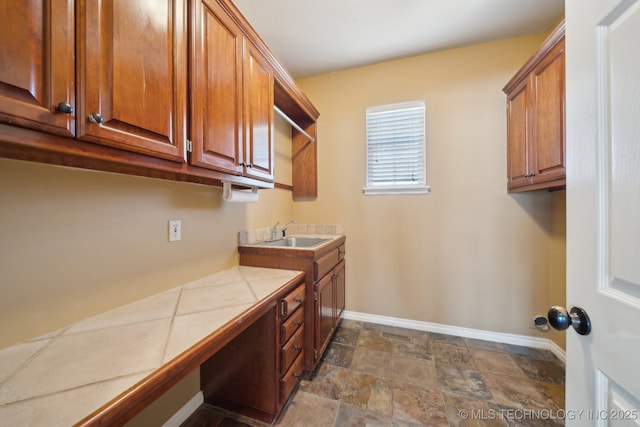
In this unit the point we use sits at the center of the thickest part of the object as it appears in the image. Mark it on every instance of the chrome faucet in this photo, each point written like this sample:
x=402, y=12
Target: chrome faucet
x=274, y=230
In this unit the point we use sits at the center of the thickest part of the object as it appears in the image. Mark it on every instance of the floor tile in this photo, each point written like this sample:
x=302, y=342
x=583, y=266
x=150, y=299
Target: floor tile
x=310, y=410
x=374, y=341
x=347, y=336
x=339, y=355
x=550, y=371
x=410, y=370
x=417, y=347
x=328, y=381
x=530, y=352
x=419, y=405
x=372, y=362
x=524, y=393
x=351, y=416
x=484, y=345
x=452, y=355
x=464, y=382
x=499, y=363
x=465, y=411
x=368, y=392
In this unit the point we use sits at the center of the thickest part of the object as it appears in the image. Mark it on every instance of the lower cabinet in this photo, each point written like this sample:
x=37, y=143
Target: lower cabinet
x=329, y=304
x=324, y=292
x=256, y=372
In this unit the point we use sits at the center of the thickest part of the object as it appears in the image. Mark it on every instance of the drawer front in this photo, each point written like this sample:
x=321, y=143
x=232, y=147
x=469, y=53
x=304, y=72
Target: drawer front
x=290, y=379
x=291, y=325
x=291, y=302
x=291, y=349
x=342, y=250
x=324, y=265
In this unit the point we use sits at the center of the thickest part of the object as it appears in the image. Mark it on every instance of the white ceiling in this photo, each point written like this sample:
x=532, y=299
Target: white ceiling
x=312, y=37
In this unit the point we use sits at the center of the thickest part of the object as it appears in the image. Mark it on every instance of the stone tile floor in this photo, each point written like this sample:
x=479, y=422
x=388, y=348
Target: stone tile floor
x=377, y=375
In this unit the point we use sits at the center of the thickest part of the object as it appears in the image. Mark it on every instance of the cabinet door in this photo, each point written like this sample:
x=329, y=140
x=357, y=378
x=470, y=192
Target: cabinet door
x=133, y=75
x=324, y=321
x=548, y=117
x=518, y=137
x=258, y=100
x=216, y=86
x=339, y=278
x=37, y=64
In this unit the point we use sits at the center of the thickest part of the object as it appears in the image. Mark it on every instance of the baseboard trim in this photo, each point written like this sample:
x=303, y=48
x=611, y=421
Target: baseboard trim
x=183, y=413
x=501, y=337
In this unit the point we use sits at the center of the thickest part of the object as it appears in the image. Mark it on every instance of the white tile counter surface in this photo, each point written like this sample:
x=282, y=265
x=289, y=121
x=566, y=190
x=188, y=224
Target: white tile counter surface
x=61, y=377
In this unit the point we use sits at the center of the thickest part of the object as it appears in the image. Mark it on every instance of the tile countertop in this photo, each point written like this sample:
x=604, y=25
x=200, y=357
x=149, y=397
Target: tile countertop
x=92, y=362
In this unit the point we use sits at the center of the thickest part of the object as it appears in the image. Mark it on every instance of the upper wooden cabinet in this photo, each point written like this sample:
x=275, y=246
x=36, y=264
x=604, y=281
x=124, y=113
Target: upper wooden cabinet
x=232, y=102
x=535, y=119
x=37, y=65
x=129, y=85
x=132, y=75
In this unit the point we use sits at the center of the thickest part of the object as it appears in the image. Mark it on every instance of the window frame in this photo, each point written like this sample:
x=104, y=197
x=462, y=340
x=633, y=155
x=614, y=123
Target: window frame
x=395, y=187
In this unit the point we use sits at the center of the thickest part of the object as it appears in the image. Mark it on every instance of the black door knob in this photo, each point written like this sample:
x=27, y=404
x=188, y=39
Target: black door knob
x=576, y=317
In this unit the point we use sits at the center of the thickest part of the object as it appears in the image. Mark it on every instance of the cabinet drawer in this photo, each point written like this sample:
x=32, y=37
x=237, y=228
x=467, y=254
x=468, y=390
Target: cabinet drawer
x=291, y=302
x=290, y=379
x=342, y=250
x=291, y=349
x=291, y=325
x=324, y=265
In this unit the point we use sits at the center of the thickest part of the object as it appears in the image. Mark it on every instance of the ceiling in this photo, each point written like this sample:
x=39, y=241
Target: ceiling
x=312, y=37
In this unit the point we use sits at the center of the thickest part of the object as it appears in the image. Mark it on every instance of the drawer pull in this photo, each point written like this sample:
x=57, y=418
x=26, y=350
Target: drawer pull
x=299, y=300
x=297, y=375
x=283, y=308
x=298, y=322
x=297, y=347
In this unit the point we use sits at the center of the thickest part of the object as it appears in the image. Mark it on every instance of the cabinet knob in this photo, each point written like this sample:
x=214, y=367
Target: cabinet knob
x=249, y=165
x=299, y=300
x=64, y=108
x=96, y=118
x=297, y=347
x=298, y=323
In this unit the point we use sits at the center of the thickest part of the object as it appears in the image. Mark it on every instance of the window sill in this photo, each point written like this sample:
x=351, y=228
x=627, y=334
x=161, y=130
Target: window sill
x=379, y=191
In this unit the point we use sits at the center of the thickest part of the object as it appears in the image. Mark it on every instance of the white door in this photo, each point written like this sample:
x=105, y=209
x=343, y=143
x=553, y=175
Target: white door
x=603, y=210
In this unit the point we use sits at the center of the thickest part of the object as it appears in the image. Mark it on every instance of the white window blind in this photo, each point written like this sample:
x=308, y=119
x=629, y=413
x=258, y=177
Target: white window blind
x=396, y=149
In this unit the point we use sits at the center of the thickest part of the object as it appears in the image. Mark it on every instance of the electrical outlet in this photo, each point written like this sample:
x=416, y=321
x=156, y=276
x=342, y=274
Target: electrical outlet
x=175, y=230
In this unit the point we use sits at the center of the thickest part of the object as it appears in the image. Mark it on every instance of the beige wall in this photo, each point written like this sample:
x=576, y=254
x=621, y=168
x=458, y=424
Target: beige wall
x=558, y=255
x=468, y=254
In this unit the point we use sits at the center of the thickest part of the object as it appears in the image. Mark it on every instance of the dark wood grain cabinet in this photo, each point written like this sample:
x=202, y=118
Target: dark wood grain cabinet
x=134, y=86
x=257, y=371
x=232, y=120
x=37, y=65
x=535, y=119
x=132, y=76
x=324, y=291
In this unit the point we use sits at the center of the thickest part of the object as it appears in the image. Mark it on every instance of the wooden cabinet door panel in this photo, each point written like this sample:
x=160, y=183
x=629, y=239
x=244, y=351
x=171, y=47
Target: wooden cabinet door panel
x=340, y=289
x=37, y=64
x=133, y=73
x=518, y=137
x=258, y=100
x=324, y=313
x=216, y=123
x=548, y=130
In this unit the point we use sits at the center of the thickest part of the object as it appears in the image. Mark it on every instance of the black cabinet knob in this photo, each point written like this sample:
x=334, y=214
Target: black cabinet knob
x=96, y=118
x=64, y=108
